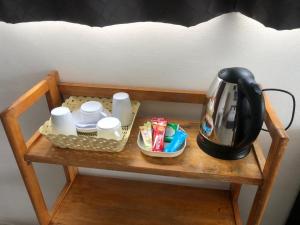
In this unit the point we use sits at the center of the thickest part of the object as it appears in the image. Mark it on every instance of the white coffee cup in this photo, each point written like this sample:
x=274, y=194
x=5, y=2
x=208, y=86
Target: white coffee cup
x=109, y=128
x=62, y=121
x=91, y=112
x=121, y=108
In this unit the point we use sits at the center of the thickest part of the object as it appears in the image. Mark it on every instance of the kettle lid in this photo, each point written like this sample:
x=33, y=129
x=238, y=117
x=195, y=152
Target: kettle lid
x=233, y=74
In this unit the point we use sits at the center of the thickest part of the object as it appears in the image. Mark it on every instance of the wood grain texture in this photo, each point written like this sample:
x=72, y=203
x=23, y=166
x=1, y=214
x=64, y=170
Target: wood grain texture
x=273, y=123
x=32, y=139
x=108, y=201
x=260, y=156
x=18, y=145
x=60, y=198
x=14, y=134
x=28, y=98
x=235, y=193
x=9, y=117
x=53, y=96
x=54, y=99
x=136, y=93
x=193, y=163
x=271, y=164
x=270, y=172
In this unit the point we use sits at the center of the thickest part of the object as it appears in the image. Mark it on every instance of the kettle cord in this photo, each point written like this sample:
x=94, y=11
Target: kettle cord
x=294, y=105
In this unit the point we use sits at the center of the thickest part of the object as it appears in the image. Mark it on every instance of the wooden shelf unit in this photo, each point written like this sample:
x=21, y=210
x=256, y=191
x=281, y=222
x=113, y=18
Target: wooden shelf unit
x=97, y=200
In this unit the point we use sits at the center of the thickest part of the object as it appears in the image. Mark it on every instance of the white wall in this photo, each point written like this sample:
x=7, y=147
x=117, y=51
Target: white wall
x=147, y=54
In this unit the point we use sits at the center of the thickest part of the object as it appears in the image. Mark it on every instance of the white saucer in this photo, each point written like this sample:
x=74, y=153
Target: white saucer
x=77, y=120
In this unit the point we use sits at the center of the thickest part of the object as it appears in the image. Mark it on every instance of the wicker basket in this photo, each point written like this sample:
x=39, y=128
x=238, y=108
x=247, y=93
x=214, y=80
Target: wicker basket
x=88, y=141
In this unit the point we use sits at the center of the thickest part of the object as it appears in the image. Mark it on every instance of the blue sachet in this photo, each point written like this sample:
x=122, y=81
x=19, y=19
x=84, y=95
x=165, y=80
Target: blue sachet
x=178, y=139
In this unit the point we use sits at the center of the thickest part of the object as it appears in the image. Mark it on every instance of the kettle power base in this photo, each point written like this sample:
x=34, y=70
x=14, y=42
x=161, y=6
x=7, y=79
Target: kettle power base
x=221, y=152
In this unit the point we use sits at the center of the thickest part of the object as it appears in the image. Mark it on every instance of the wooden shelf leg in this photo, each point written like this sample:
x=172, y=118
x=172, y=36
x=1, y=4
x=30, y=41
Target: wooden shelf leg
x=54, y=99
x=235, y=193
x=70, y=173
x=270, y=171
x=28, y=174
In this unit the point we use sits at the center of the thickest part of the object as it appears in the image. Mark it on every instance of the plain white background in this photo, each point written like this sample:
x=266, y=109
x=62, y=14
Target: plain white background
x=146, y=54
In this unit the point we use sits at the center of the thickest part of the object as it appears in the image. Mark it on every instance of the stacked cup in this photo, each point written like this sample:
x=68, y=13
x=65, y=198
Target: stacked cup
x=110, y=127
x=91, y=112
x=121, y=108
x=62, y=121
x=93, y=115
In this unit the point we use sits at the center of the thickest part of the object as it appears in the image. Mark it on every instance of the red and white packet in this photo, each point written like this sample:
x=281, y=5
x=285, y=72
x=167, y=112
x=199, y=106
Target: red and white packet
x=159, y=129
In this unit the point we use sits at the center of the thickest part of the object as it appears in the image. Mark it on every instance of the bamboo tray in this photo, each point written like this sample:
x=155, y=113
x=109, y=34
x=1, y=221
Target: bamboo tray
x=85, y=141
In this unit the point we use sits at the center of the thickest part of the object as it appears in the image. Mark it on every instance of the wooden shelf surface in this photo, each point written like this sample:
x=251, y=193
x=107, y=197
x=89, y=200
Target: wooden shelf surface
x=108, y=201
x=193, y=163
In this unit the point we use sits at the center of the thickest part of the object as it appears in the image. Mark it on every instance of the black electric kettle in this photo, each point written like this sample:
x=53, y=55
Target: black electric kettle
x=233, y=115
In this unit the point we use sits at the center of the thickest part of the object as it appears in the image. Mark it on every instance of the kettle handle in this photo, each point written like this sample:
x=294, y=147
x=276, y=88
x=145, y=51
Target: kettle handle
x=255, y=98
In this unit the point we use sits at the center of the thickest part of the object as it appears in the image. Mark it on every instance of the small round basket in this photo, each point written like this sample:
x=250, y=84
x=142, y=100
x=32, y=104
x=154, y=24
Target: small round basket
x=148, y=151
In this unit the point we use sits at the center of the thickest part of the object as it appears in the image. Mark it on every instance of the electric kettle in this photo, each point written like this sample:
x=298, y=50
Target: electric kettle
x=233, y=115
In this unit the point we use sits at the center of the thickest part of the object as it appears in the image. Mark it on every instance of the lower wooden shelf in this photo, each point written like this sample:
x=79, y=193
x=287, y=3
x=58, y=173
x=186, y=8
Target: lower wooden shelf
x=109, y=201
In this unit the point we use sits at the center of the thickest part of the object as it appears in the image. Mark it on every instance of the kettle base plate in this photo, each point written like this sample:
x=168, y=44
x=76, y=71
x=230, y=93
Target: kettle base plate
x=221, y=151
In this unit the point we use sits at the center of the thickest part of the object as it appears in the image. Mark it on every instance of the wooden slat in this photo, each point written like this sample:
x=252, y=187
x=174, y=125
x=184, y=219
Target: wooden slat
x=18, y=145
x=95, y=200
x=193, y=163
x=59, y=200
x=33, y=139
x=237, y=215
x=54, y=99
x=273, y=123
x=270, y=172
x=136, y=93
x=28, y=98
x=14, y=134
x=259, y=154
x=53, y=96
x=235, y=193
x=272, y=164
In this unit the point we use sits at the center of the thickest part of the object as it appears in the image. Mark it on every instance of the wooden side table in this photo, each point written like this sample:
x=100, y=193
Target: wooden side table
x=92, y=200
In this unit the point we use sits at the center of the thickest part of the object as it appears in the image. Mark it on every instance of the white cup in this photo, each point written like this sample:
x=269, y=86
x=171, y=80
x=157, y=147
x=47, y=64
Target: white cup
x=62, y=121
x=109, y=128
x=121, y=108
x=91, y=112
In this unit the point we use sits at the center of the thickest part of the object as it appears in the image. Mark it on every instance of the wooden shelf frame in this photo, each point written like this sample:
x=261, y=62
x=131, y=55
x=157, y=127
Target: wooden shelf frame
x=54, y=90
